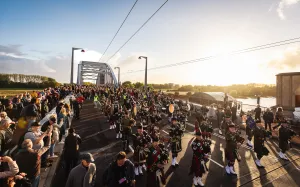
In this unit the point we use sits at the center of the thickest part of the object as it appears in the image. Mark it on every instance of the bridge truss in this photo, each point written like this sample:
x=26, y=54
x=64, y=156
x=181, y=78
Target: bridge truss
x=100, y=73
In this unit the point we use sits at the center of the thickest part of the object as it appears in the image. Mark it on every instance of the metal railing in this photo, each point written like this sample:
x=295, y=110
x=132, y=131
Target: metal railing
x=45, y=119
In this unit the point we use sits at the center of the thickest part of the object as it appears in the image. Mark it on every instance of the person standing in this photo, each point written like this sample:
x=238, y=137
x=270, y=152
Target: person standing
x=268, y=118
x=29, y=160
x=83, y=175
x=260, y=135
x=199, y=159
x=176, y=134
x=220, y=117
x=285, y=136
x=71, y=150
x=120, y=172
x=233, y=142
x=257, y=111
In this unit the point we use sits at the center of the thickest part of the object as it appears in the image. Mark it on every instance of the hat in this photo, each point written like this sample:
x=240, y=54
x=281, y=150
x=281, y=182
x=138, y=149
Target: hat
x=35, y=124
x=87, y=157
x=231, y=125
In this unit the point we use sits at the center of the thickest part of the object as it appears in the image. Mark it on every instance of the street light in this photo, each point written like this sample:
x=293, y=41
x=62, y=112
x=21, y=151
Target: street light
x=118, y=75
x=72, y=62
x=145, y=70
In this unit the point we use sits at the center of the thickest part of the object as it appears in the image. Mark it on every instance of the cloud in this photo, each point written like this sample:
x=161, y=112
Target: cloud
x=11, y=64
x=39, y=51
x=289, y=60
x=11, y=49
x=283, y=4
x=56, y=66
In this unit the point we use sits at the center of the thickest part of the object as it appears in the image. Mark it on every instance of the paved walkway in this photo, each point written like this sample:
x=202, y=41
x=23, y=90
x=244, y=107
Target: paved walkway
x=101, y=142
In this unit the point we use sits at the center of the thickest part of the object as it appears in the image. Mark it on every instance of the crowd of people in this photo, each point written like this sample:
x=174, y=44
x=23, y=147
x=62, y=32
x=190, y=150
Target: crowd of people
x=124, y=109
x=26, y=144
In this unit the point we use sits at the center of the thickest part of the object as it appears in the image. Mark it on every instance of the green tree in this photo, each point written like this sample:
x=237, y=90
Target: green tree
x=233, y=93
x=138, y=85
x=127, y=84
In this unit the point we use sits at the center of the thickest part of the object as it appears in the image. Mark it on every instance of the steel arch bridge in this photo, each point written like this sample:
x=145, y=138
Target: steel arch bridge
x=100, y=72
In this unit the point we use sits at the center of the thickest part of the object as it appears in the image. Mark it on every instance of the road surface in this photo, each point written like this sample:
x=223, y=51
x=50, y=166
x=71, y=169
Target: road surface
x=101, y=142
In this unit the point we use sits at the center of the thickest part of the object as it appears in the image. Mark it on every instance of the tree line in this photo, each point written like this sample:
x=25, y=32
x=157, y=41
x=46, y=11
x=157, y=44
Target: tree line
x=235, y=90
x=26, y=81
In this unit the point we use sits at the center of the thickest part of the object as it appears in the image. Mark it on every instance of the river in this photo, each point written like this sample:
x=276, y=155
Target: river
x=250, y=103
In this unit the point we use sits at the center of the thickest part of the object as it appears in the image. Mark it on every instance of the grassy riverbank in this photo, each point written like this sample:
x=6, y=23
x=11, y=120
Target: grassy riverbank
x=14, y=91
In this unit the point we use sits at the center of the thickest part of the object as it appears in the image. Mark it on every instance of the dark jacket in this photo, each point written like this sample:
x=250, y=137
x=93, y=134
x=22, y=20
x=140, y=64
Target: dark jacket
x=109, y=178
x=268, y=117
x=71, y=146
x=29, y=161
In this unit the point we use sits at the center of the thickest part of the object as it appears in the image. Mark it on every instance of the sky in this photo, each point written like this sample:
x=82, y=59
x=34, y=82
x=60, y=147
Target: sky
x=36, y=37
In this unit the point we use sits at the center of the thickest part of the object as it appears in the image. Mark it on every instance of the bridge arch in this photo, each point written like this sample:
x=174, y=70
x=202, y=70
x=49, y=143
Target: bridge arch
x=100, y=72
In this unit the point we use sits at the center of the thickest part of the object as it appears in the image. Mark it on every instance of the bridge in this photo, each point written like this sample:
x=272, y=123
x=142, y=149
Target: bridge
x=99, y=72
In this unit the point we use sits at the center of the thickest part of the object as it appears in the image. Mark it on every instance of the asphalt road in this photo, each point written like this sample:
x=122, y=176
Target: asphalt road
x=101, y=142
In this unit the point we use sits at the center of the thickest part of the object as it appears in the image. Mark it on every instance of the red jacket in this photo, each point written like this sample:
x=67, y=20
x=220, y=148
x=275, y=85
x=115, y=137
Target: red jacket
x=80, y=99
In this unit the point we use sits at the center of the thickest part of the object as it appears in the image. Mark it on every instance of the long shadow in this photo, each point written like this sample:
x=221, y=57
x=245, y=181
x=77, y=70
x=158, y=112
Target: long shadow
x=293, y=177
x=261, y=171
x=180, y=177
x=216, y=175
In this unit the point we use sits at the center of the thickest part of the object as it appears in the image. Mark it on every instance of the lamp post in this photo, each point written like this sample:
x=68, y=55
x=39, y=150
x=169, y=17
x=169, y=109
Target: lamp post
x=72, y=62
x=118, y=75
x=145, y=70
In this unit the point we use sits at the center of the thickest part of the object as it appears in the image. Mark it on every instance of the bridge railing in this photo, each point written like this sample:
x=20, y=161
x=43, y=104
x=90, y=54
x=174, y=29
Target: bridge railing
x=45, y=119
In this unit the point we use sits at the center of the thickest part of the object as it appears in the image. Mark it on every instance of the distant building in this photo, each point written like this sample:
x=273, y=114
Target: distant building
x=288, y=90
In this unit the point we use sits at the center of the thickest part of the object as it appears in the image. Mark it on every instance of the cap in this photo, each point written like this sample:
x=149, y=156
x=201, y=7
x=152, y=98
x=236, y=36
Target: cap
x=174, y=119
x=35, y=124
x=87, y=157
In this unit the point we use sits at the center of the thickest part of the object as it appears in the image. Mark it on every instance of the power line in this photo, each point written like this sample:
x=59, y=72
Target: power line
x=137, y=31
x=118, y=29
x=251, y=49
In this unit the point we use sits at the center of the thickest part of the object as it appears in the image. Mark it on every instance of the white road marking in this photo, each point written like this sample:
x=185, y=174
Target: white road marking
x=165, y=131
x=216, y=163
